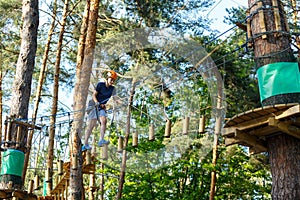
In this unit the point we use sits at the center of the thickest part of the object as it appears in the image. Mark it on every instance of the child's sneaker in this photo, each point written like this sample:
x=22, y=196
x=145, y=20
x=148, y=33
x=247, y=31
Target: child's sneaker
x=101, y=143
x=86, y=147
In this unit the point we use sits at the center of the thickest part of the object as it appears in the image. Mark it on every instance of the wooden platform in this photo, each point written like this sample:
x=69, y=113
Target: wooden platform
x=22, y=195
x=252, y=127
x=63, y=182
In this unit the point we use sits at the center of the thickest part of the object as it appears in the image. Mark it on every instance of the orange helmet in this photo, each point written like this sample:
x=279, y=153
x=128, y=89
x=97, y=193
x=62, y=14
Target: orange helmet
x=112, y=74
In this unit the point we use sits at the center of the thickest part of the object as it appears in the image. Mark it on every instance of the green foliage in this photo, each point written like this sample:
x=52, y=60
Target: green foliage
x=241, y=176
x=179, y=15
x=187, y=177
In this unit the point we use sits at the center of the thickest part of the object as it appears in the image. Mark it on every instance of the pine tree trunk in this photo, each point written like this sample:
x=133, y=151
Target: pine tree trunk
x=50, y=157
x=270, y=37
x=22, y=84
x=127, y=135
x=285, y=161
x=83, y=74
x=40, y=85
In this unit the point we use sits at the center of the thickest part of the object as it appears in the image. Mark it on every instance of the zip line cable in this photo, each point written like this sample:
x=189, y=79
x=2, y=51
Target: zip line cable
x=64, y=114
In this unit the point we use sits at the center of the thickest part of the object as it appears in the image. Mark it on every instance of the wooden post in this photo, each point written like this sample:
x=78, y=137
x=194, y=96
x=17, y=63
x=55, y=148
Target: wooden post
x=36, y=182
x=47, y=175
x=104, y=152
x=249, y=34
x=120, y=144
x=8, y=132
x=5, y=131
x=60, y=167
x=66, y=188
x=276, y=17
x=202, y=124
x=91, y=187
x=30, y=187
x=186, y=122
x=151, y=132
x=168, y=128
x=262, y=20
x=75, y=162
x=88, y=158
x=135, y=139
x=62, y=192
x=18, y=139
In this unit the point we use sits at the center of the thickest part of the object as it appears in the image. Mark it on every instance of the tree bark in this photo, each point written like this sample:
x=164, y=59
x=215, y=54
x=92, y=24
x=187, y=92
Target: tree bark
x=40, y=85
x=124, y=153
x=276, y=46
x=285, y=162
x=22, y=83
x=83, y=74
x=270, y=37
x=50, y=157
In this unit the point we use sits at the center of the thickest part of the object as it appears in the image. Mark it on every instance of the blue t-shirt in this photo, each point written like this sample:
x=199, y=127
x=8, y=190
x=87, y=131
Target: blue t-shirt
x=104, y=93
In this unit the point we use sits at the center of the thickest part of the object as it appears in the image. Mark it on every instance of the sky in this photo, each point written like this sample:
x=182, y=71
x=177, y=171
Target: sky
x=218, y=11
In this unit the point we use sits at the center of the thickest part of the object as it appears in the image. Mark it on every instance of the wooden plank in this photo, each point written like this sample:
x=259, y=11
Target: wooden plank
x=253, y=150
x=232, y=141
x=244, y=138
x=262, y=19
x=88, y=169
x=61, y=184
x=277, y=17
x=23, y=195
x=3, y=194
x=285, y=127
x=27, y=124
x=289, y=112
x=251, y=140
x=229, y=132
x=263, y=131
x=262, y=111
x=249, y=33
x=265, y=119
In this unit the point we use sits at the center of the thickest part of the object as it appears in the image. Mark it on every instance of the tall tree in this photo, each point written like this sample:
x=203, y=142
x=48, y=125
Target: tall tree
x=22, y=83
x=83, y=73
x=40, y=86
x=124, y=152
x=271, y=44
x=50, y=157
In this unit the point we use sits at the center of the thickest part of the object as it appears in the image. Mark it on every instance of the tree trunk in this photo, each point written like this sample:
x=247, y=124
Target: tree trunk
x=124, y=153
x=40, y=85
x=83, y=74
x=270, y=37
x=22, y=84
x=285, y=162
x=55, y=98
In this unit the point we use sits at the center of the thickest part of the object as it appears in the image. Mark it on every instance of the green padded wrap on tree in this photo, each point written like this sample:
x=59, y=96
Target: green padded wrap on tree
x=278, y=78
x=12, y=162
